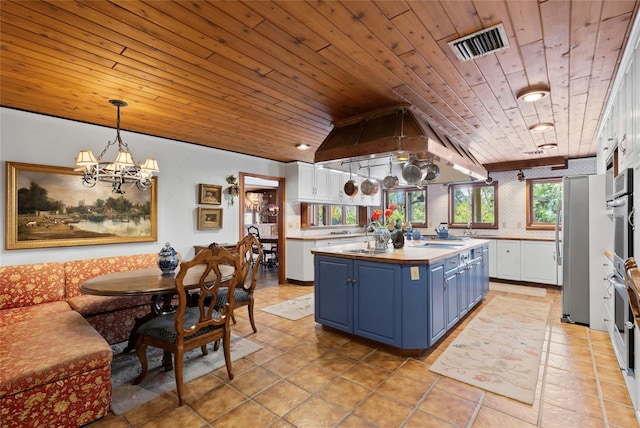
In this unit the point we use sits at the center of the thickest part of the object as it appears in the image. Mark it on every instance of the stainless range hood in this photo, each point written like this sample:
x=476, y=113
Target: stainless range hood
x=396, y=131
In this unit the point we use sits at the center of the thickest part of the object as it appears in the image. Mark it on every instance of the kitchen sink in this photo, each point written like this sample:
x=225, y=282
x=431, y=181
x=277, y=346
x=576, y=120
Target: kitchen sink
x=440, y=245
x=365, y=251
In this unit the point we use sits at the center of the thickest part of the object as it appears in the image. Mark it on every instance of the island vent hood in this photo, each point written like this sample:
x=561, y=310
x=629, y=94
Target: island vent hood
x=397, y=131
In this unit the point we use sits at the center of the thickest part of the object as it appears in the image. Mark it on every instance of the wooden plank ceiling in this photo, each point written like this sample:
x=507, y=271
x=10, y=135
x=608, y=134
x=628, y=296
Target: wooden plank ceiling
x=259, y=77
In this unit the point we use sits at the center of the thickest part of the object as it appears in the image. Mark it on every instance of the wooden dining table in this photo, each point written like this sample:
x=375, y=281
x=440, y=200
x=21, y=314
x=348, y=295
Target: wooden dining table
x=148, y=282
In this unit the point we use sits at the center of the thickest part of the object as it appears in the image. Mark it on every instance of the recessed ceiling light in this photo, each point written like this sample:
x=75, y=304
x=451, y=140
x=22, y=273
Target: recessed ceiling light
x=531, y=95
x=303, y=146
x=548, y=146
x=541, y=127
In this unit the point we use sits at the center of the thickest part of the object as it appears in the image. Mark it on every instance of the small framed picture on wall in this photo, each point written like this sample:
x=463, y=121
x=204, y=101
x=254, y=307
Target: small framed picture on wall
x=210, y=194
x=209, y=218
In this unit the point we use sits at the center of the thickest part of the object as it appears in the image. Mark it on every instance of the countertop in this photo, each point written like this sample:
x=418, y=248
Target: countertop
x=412, y=252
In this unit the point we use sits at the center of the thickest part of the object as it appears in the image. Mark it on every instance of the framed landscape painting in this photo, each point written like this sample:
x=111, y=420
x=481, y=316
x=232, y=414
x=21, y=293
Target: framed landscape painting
x=209, y=218
x=210, y=194
x=48, y=206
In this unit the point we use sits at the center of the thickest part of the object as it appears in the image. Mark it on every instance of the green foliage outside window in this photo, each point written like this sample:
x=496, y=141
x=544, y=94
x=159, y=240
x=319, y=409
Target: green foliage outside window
x=411, y=205
x=543, y=198
x=473, y=204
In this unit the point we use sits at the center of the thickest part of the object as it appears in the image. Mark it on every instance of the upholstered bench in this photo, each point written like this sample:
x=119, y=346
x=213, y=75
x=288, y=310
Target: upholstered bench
x=54, y=371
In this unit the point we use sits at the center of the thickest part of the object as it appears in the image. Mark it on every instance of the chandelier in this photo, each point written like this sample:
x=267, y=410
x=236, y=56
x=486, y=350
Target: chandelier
x=123, y=170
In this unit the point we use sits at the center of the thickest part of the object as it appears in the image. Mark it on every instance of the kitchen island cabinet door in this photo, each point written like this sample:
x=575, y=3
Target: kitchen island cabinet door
x=486, y=267
x=334, y=292
x=437, y=308
x=452, y=282
x=378, y=302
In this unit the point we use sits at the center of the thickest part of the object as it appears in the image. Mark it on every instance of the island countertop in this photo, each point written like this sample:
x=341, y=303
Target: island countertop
x=412, y=252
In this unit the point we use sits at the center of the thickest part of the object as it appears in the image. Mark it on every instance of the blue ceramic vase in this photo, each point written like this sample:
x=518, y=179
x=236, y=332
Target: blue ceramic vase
x=168, y=260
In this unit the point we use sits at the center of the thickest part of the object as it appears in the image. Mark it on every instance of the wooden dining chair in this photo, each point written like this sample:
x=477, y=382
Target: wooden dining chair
x=270, y=254
x=190, y=327
x=243, y=293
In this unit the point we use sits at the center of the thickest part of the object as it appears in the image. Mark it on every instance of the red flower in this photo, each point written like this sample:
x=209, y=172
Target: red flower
x=375, y=216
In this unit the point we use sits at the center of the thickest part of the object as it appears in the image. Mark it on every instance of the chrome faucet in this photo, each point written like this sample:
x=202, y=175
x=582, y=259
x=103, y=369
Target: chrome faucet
x=366, y=234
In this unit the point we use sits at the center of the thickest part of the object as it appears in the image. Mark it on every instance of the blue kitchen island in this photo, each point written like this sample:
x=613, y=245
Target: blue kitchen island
x=407, y=298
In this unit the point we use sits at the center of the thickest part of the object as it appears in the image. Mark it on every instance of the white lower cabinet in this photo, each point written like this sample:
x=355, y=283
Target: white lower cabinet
x=300, y=260
x=493, y=258
x=538, y=262
x=508, y=255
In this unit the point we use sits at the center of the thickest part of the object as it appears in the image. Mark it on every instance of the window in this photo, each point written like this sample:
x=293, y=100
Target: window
x=544, y=195
x=411, y=203
x=319, y=215
x=473, y=205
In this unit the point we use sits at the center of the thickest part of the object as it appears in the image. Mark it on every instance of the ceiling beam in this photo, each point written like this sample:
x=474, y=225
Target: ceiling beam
x=556, y=161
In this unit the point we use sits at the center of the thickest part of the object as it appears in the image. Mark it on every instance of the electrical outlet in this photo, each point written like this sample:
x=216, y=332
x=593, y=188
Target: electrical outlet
x=504, y=224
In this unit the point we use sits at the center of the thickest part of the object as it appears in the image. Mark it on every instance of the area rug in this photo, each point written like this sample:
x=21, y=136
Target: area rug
x=293, y=309
x=518, y=289
x=500, y=349
x=126, y=367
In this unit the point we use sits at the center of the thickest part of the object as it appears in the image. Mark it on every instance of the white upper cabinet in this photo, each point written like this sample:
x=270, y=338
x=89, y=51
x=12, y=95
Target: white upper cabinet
x=305, y=182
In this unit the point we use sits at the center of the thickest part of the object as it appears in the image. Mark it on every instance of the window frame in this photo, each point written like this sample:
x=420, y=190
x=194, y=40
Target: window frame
x=473, y=225
x=530, y=182
x=307, y=217
x=406, y=190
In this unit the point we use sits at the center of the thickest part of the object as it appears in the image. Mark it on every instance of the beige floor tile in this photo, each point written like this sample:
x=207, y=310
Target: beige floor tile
x=335, y=362
x=491, y=418
x=355, y=349
x=315, y=413
x=615, y=392
x=576, y=402
x=403, y=389
x=417, y=370
x=308, y=351
x=620, y=415
x=311, y=378
x=254, y=381
x=217, y=402
x=367, y=375
x=284, y=365
x=249, y=414
x=557, y=417
x=353, y=421
x=281, y=397
x=422, y=420
x=448, y=407
x=384, y=359
x=383, y=411
x=460, y=389
x=265, y=354
x=152, y=409
x=526, y=412
x=180, y=417
x=344, y=393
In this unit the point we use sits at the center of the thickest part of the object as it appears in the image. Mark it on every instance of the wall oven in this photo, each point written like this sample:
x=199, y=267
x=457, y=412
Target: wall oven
x=623, y=226
x=623, y=325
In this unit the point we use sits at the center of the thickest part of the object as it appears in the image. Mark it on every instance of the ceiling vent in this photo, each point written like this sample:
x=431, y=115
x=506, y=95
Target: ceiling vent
x=480, y=43
x=534, y=152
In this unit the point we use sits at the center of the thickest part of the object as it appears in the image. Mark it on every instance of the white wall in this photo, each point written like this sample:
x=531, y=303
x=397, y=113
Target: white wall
x=37, y=139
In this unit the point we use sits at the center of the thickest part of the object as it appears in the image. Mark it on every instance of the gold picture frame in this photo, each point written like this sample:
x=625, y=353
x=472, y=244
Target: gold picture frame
x=209, y=218
x=48, y=206
x=210, y=194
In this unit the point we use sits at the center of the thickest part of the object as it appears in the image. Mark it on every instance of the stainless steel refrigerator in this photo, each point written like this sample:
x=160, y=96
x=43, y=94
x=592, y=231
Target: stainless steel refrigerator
x=580, y=242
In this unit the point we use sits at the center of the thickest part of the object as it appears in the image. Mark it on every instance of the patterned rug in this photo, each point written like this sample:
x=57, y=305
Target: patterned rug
x=126, y=367
x=293, y=309
x=500, y=349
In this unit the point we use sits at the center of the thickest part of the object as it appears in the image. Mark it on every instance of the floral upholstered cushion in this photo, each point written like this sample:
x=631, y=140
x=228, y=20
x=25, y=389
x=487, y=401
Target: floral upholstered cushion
x=15, y=315
x=78, y=271
x=32, y=284
x=49, y=349
x=117, y=326
x=89, y=305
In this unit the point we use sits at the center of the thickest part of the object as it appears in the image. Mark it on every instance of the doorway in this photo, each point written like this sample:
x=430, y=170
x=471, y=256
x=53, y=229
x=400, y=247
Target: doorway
x=262, y=205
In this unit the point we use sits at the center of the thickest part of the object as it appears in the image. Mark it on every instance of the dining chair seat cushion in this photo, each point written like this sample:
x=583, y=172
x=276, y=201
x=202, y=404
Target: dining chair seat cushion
x=163, y=327
x=239, y=294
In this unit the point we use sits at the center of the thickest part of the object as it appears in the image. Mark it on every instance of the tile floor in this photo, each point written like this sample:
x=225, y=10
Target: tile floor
x=307, y=376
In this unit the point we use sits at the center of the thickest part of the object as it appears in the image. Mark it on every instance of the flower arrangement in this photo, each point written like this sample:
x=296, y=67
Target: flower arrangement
x=391, y=214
